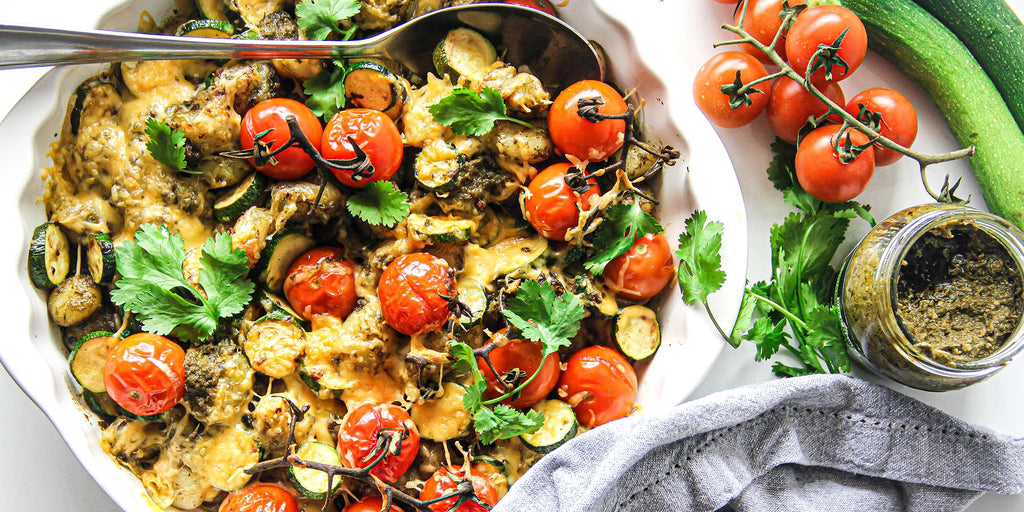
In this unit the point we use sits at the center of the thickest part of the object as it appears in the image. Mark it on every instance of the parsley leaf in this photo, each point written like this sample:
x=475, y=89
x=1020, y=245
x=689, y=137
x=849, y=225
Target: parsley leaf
x=622, y=225
x=470, y=113
x=700, y=265
x=504, y=422
x=325, y=92
x=379, y=203
x=543, y=315
x=320, y=18
x=166, y=146
x=153, y=287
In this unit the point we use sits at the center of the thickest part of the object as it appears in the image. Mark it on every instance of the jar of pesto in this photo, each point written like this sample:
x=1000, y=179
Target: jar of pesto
x=933, y=296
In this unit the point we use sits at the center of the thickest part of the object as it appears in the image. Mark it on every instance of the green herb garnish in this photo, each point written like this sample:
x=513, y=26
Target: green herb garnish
x=470, y=113
x=166, y=146
x=320, y=18
x=379, y=203
x=325, y=92
x=622, y=225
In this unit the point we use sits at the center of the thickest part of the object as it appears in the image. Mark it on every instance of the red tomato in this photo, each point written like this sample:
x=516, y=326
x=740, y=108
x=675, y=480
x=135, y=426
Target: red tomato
x=823, y=175
x=599, y=384
x=410, y=291
x=642, y=271
x=321, y=282
x=822, y=25
x=445, y=481
x=260, y=497
x=292, y=163
x=369, y=504
x=762, y=21
x=358, y=437
x=374, y=132
x=145, y=374
x=789, y=106
x=540, y=5
x=578, y=137
x=552, y=207
x=721, y=70
x=899, y=119
x=525, y=355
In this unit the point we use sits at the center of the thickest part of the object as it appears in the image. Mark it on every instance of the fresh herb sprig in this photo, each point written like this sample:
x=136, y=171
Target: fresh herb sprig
x=379, y=203
x=623, y=223
x=167, y=145
x=325, y=91
x=321, y=18
x=469, y=113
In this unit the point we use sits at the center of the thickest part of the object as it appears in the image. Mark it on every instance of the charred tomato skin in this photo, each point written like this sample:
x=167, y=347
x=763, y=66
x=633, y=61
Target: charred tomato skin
x=411, y=290
x=600, y=385
x=551, y=206
x=374, y=132
x=357, y=438
x=145, y=374
x=445, y=481
x=525, y=355
x=292, y=163
x=321, y=281
x=260, y=497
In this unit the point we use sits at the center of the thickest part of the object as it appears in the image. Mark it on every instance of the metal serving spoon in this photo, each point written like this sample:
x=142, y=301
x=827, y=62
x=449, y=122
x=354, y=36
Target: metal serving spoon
x=553, y=51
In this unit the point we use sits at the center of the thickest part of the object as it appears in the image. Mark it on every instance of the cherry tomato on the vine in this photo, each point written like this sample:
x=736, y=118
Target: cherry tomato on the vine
x=822, y=25
x=790, y=104
x=762, y=21
x=899, y=119
x=374, y=132
x=540, y=5
x=599, y=384
x=446, y=481
x=292, y=163
x=260, y=497
x=525, y=355
x=369, y=504
x=357, y=439
x=410, y=292
x=551, y=206
x=821, y=172
x=642, y=271
x=720, y=70
x=145, y=374
x=321, y=281
x=578, y=137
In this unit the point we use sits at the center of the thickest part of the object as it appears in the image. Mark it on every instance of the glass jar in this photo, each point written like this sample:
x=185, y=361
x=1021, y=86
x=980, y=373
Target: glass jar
x=867, y=299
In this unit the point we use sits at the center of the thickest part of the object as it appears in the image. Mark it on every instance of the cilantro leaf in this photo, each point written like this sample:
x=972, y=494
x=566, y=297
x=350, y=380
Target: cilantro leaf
x=222, y=277
x=504, y=422
x=767, y=336
x=166, y=146
x=471, y=113
x=782, y=370
x=543, y=315
x=825, y=334
x=320, y=18
x=700, y=258
x=325, y=92
x=622, y=225
x=380, y=203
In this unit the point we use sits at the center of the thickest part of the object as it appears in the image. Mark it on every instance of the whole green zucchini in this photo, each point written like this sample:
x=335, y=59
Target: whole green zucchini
x=924, y=49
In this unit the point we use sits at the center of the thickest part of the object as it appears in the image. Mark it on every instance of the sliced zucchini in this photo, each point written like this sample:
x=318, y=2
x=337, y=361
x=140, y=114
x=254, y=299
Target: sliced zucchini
x=637, y=333
x=370, y=85
x=494, y=470
x=247, y=34
x=274, y=345
x=595, y=297
x=439, y=166
x=206, y=28
x=272, y=302
x=463, y=52
x=128, y=414
x=559, y=427
x=101, y=404
x=88, y=358
x=211, y=9
x=49, y=256
x=474, y=296
x=243, y=196
x=516, y=253
x=310, y=482
x=226, y=455
x=439, y=230
x=281, y=251
x=442, y=418
x=101, y=259
x=74, y=300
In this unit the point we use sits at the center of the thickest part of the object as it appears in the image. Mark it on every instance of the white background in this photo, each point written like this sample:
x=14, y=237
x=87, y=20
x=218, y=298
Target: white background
x=40, y=472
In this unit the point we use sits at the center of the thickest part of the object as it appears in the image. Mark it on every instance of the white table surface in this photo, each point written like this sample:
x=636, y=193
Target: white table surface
x=41, y=473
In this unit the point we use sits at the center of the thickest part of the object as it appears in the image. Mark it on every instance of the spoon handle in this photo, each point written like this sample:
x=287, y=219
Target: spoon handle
x=26, y=47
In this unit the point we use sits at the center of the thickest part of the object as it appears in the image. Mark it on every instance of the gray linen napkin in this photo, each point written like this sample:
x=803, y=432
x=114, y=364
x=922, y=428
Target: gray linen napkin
x=815, y=444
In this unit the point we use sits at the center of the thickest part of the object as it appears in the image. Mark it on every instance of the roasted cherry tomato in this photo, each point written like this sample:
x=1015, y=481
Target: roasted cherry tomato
x=292, y=163
x=369, y=504
x=357, y=439
x=551, y=206
x=526, y=356
x=822, y=25
x=578, y=137
x=374, y=132
x=789, y=106
x=446, y=480
x=261, y=497
x=540, y=5
x=321, y=281
x=413, y=291
x=642, y=271
x=145, y=374
x=762, y=21
x=820, y=171
x=599, y=384
x=720, y=70
x=899, y=119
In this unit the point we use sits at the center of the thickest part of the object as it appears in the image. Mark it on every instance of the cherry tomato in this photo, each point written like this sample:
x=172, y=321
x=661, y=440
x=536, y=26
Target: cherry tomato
x=292, y=163
x=789, y=106
x=540, y=5
x=145, y=374
x=260, y=497
x=552, y=207
x=823, y=175
x=410, y=292
x=357, y=438
x=642, y=271
x=899, y=119
x=526, y=356
x=445, y=481
x=578, y=137
x=823, y=25
x=721, y=70
x=369, y=504
x=599, y=384
x=374, y=132
x=762, y=21
x=321, y=282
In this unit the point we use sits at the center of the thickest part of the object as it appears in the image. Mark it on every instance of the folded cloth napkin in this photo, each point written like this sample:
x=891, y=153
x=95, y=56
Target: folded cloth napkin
x=816, y=444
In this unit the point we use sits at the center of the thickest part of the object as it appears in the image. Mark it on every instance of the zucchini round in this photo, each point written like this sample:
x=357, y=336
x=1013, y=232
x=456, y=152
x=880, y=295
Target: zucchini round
x=474, y=296
x=310, y=482
x=439, y=166
x=243, y=196
x=443, y=418
x=206, y=28
x=370, y=85
x=272, y=302
x=274, y=345
x=559, y=427
x=464, y=52
x=102, y=405
x=636, y=332
x=101, y=259
x=439, y=230
x=281, y=251
x=49, y=256
x=89, y=357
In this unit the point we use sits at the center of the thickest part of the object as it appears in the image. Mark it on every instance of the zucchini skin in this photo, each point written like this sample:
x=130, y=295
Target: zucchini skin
x=927, y=52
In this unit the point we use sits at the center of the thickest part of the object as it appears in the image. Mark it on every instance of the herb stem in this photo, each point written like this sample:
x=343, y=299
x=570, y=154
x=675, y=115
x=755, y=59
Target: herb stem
x=793, y=319
x=715, y=320
x=521, y=385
